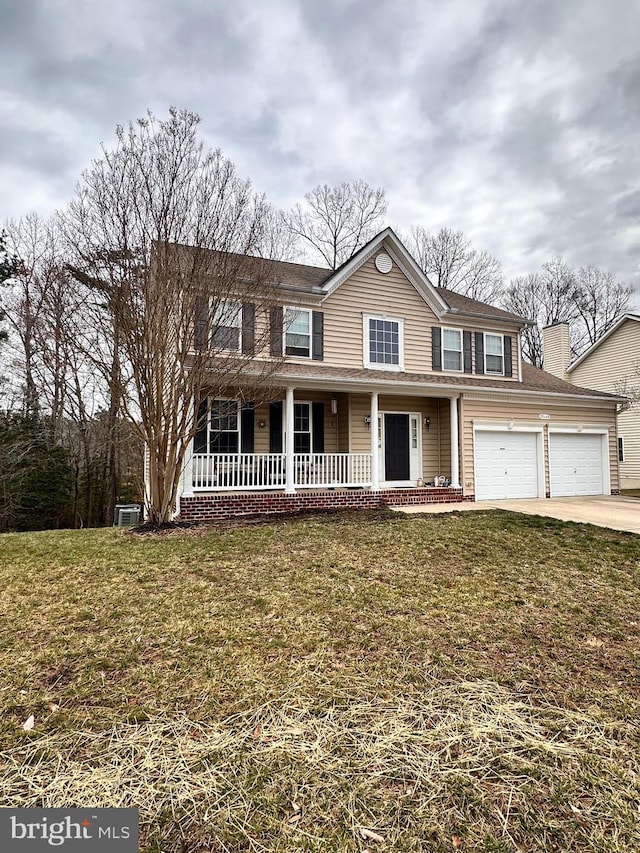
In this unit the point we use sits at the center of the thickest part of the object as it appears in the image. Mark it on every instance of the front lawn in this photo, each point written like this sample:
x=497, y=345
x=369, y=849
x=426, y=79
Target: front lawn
x=345, y=683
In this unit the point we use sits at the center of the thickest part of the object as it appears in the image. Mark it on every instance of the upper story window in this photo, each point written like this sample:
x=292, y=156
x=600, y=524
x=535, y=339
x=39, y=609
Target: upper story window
x=297, y=332
x=451, y=349
x=383, y=342
x=226, y=325
x=494, y=354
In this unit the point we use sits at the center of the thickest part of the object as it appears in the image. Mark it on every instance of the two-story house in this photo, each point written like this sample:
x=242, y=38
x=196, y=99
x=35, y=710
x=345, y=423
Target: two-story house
x=393, y=391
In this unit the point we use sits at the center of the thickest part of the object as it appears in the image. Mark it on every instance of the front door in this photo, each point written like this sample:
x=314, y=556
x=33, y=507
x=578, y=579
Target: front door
x=396, y=447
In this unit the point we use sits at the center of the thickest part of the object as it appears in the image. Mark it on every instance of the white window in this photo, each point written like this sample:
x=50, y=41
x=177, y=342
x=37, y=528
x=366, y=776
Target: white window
x=494, y=354
x=226, y=325
x=620, y=449
x=302, y=426
x=297, y=332
x=451, y=349
x=383, y=342
x=224, y=427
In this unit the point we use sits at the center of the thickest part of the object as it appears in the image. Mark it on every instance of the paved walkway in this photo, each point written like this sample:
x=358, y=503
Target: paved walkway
x=617, y=513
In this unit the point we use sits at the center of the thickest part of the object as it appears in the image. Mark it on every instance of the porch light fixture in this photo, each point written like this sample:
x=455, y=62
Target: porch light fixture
x=510, y=424
x=262, y=423
x=334, y=406
x=427, y=422
x=367, y=420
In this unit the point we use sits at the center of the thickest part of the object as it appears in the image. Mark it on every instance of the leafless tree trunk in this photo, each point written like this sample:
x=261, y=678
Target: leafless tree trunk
x=335, y=222
x=163, y=233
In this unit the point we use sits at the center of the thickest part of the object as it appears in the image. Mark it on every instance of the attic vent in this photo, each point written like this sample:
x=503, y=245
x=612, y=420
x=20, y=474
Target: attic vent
x=383, y=263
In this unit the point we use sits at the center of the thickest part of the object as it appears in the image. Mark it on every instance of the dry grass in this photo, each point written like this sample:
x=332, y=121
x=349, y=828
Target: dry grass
x=346, y=683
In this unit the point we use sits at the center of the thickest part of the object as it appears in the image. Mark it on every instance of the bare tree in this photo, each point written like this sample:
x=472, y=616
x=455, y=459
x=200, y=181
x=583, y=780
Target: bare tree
x=32, y=242
x=450, y=261
x=163, y=233
x=589, y=300
x=335, y=222
x=600, y=302
x=546, y=297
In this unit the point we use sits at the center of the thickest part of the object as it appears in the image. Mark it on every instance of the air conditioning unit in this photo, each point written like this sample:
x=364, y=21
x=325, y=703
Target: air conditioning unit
x=126, y=515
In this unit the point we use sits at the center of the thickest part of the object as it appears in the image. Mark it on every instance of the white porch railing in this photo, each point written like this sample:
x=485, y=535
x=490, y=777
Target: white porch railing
x=246, y=471
x=316, y=470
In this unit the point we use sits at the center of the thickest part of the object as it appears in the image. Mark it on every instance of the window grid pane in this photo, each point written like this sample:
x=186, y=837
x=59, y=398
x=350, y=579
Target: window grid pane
x=384, y=342
x=301, y=428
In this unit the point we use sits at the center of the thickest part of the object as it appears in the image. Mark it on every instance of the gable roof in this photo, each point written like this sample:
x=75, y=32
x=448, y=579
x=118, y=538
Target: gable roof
x=322, y=281
x=585, y=355
x=388, y=240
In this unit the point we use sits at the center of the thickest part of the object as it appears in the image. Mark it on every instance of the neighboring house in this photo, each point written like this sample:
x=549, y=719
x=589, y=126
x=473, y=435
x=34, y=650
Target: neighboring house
x=610, y=364
x=394, y=391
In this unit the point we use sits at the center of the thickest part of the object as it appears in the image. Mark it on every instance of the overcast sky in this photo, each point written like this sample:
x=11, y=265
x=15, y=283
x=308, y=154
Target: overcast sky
x=515, y=121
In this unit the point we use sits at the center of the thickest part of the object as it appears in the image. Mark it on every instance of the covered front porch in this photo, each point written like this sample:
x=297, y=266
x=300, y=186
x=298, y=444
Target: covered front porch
x=317, y=439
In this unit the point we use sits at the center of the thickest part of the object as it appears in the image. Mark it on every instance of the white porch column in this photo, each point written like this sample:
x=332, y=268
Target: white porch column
x=455, y=450
x=288, y=437
x=375, y=468
x=186, y=478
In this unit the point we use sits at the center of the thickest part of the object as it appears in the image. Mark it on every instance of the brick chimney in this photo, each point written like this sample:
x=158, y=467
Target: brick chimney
x=556, y=347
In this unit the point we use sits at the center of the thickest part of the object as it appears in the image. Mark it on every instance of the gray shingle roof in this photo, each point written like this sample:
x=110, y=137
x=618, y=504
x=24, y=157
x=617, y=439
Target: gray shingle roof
x=533, y=380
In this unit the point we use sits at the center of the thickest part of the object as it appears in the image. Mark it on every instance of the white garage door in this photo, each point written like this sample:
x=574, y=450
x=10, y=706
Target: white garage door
x=575, y=464
x=506, y=465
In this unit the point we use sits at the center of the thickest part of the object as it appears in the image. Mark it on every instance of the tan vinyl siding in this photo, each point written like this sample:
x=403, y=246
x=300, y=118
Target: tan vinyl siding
x=369, y=292
x=570, y=415
x=629, y=429
x=606, y=369
x=331, y=422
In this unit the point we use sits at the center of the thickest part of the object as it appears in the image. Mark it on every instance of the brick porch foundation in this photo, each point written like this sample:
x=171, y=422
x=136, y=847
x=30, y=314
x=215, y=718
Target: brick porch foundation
x=222, y=506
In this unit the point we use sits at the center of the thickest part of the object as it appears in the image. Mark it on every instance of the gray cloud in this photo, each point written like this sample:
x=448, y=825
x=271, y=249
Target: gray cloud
x=514, y=122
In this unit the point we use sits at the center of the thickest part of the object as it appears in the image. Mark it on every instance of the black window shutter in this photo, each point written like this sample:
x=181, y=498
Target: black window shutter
x=248, y=329
x=317, y=415
x=200, y=438
x=247, y=428
x=317, y=349
x=479, y=352
x=436, y=348
x=276, y=333
x=275, y=427
x=508, y=356
x=466, y=351
x=201, y=323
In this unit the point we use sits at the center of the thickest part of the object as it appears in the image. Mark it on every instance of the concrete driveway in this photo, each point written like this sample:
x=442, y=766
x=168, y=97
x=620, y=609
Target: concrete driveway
x=617, y=513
